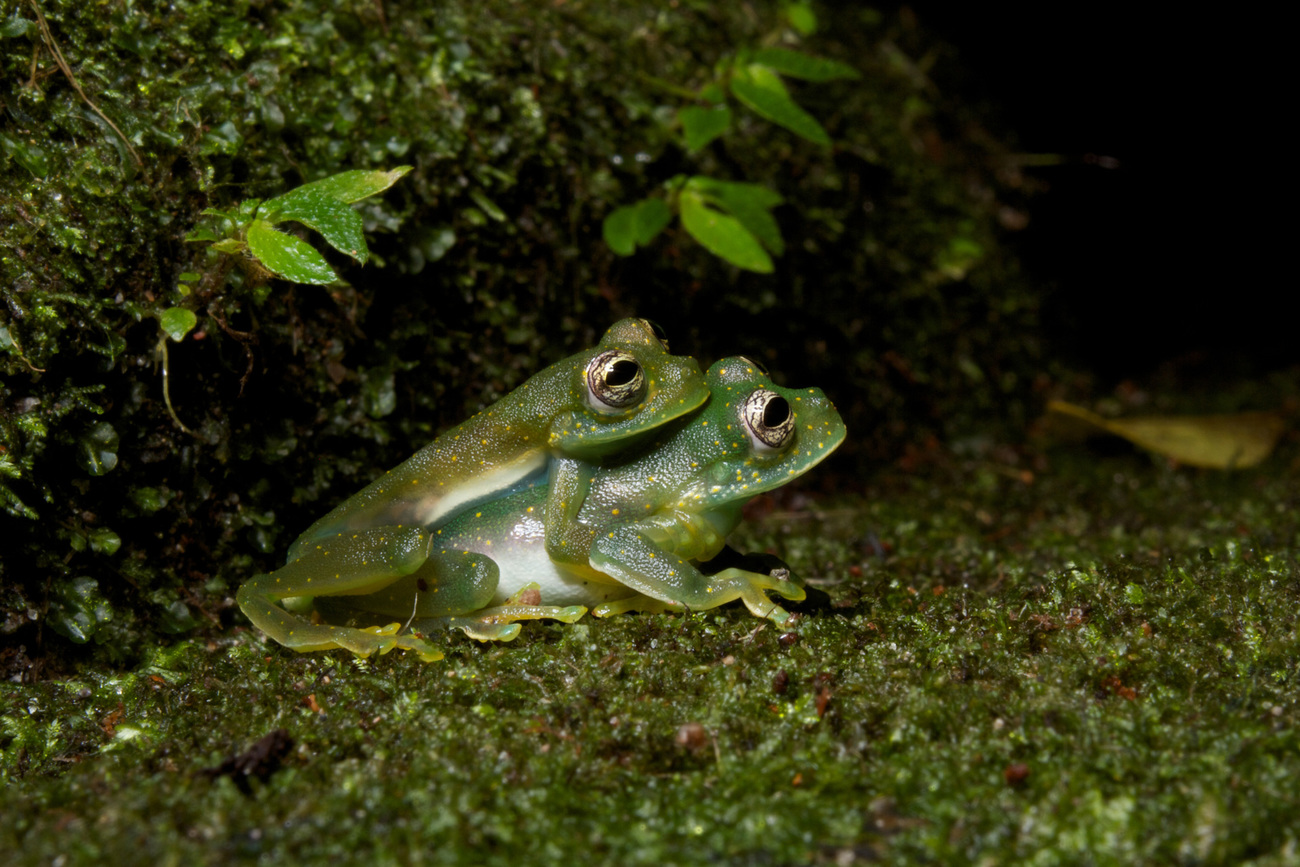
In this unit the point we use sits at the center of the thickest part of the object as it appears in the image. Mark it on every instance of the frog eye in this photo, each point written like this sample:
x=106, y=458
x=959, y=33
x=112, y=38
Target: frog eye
x=660, y=334
x=615, y=381
x=768, y=420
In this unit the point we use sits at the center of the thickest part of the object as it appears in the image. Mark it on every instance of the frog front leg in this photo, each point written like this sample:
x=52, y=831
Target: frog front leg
x=653, y=557
x=352, y=564
x=567, y=487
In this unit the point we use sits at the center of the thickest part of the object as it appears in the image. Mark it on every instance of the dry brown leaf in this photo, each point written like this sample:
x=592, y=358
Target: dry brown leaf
x=1221, y=442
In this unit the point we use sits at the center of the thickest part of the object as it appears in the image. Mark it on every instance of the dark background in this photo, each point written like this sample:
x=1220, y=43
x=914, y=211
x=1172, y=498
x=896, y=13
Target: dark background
x=1172, y=261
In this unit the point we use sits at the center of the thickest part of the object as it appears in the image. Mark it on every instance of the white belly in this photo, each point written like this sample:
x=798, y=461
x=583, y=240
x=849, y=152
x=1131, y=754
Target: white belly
x=522, y=559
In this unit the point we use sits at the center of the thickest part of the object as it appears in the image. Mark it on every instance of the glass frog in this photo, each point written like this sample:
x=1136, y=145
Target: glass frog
x=584, y=407
x=631, y=531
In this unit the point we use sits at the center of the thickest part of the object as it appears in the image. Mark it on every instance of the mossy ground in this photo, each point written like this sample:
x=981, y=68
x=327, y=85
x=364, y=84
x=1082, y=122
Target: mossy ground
x=1055, y=658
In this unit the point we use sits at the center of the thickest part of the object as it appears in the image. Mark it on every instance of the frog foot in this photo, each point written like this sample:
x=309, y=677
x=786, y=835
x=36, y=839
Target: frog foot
x=751, y=588
x=362, y=642
x=498, y=623
x=638, y=602
x=417, y=645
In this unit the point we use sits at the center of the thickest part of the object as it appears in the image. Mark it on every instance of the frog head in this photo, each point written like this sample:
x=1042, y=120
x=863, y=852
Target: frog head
x=755, y=436
x=627, y=386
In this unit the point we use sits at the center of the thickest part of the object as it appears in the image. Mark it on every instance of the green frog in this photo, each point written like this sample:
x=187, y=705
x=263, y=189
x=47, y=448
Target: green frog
x=630, y=532
x=585, y=407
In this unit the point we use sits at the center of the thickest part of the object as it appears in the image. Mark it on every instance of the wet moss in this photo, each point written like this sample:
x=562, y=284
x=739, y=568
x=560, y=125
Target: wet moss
x=1095, y=661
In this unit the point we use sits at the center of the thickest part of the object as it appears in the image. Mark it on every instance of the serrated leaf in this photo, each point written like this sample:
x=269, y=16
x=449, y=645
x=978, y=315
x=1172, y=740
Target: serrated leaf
x=722, y=235
x=751, y=204
x=702, y=125
x=796, y=64
x=347, y=187
x=334, y=219
x=760, y=89
x=176, y=322
x=290, y=257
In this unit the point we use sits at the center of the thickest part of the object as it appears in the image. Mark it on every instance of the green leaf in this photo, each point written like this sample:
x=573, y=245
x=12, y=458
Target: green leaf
x=104, y=541
x=751, y=204
x=619, y=230
x=16, y=27
x=229, y=245
x=290, y=257
x=801, y=18
x=202, y=233
x=176, y=322
x=347, y=186
x=487, y=206
x=631, y=225
x=99, y=448
x=760, y=88
x=29, y=156
x=703, y=125
x=722, y=235
x=334, y=219
x=78, y=609
x=796, y=64
x=224, y=140
x=651, y=217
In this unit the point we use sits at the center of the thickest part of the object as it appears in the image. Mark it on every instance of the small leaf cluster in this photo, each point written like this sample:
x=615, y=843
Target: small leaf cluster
x=732, y=220
x=325, y=206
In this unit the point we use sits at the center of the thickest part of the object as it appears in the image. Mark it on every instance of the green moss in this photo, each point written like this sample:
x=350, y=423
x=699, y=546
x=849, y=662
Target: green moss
x=1095, y=659
x=1097, y=664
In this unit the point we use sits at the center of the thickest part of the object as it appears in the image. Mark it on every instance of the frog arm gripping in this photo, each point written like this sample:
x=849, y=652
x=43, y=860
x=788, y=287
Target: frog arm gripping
x=653, y=557
x=350, y=564
x=567, y=541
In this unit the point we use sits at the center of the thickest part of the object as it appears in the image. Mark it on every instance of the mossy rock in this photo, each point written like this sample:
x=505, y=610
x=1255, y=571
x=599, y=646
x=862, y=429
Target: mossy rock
x=526, y=125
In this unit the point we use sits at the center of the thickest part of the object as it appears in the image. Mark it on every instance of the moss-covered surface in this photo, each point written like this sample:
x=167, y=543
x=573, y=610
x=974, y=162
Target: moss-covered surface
x=1071, y=658
x=1068, y=657
x=526, y=124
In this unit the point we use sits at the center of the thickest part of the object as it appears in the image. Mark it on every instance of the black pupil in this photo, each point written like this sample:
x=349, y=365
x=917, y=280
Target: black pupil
x=621, y=372
x=776, y=412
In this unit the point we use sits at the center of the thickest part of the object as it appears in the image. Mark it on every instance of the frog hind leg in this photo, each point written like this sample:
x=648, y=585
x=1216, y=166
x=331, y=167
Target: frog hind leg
x=633, y=556
x=351, y=564
x=500, y=622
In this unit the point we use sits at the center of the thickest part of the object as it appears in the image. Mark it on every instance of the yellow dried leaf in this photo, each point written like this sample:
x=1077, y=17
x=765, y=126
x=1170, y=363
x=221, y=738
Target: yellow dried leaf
x=1217, y=441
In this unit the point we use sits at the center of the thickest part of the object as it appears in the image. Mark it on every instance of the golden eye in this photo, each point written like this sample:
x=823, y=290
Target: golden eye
x=615, y=381
x=660, y=334
x=768, y=420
